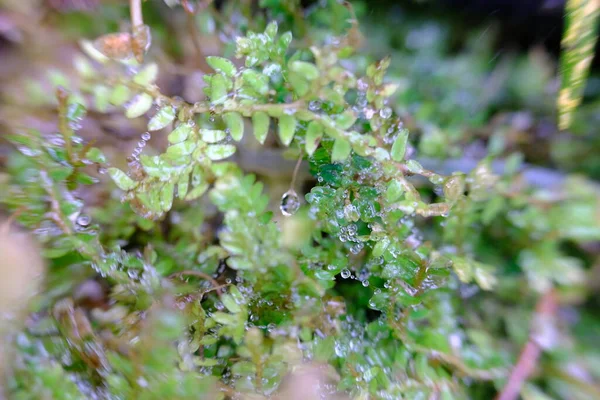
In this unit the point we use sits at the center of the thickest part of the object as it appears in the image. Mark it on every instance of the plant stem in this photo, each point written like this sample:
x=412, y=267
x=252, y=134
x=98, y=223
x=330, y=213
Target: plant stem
x=135, y=9
x=532, y=350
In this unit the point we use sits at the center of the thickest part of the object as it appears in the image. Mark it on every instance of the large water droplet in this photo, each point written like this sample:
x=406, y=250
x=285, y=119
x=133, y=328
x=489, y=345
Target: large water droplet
x=83, y=220
x=290, y=203
x=385, y=112
x=146, y=136
x=345, y=273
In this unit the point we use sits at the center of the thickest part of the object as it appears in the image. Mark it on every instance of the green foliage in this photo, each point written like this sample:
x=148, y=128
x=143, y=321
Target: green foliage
x=405, y=282
x=579, y=42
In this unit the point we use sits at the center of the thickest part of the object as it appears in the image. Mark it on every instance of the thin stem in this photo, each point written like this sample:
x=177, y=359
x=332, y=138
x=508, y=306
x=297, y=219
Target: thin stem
x=295, y=174
x=527, y=362
x=198, y=274
x=135, y=9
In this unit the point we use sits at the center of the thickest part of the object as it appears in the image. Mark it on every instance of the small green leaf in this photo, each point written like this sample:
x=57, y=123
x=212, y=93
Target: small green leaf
x=235, y=123
x=394, y=191
x=380, y=247
x=147, y=75
x=224, y=318
x=287, y=128
x=299, y=83
x=181, y=133
x=341, y=150
x=166, y=196
x=218, y=89
x=346, y=120
x=212, y=135
x=307, y=70
x=260, y=124
x=220, y=151
x=256, y=80
x=230, y=303
x=162, y=118
x=399, y=146
x=101, y=98
x=139, y=105
x=271, y=30
x=222, y=65
x=119, y=95
x=121, y=179
x=75, y=112
x=183, y=185
x=314, y=133
x=182, y=149
x=197, y=191
x=95, y=155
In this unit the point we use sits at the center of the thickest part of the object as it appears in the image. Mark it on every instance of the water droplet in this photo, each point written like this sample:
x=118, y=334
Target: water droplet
x=146, y=136
x=385, y=112
x=314, y=105
x=83, y=220
x=362, y=85
x=365, y=283
x=290, y=203
x=345, y=273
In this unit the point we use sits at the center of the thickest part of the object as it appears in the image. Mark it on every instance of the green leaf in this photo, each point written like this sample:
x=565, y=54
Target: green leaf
x=139, y=105
x=271, y=30
x=212, y=135
x=300, y=85
x=305, y=69
x=314, y=133
x=75, y=112
x=95, y=155
x=182, y=149
x=224, y=318
x=220, y=151
x=346, y=120
x=166, y=196
x=230, y=303
x=341, y=150
x=197, y=191
x=222, y=65
x=260, y=124
x=235, y=123
x=162, y=118
x=181, y=133
x=578, y=45
x=147, y=75
x=218, y=89
x=257, y=81
x=121, y=179
x=394, y=191
x=182, y=186
x=399, y=146
x=287, y=128
x=119, y=95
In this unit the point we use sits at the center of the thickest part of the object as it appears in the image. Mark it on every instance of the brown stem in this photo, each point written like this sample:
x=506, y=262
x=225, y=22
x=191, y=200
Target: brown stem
x=198, y=274
x=526, y=364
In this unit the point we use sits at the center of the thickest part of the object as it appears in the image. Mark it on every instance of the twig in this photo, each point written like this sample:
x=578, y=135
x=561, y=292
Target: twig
x=135, y=9
x=199, y=274
x=532, y=350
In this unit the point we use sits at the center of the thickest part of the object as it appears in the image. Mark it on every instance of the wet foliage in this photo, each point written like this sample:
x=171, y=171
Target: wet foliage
x=221, y=215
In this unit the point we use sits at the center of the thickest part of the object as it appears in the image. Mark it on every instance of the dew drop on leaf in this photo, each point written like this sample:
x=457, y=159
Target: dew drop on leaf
x=83, y=220
x=290, y=203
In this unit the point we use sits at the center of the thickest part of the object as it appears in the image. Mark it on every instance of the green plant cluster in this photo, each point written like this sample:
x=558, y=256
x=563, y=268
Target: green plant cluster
x=402, y=283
